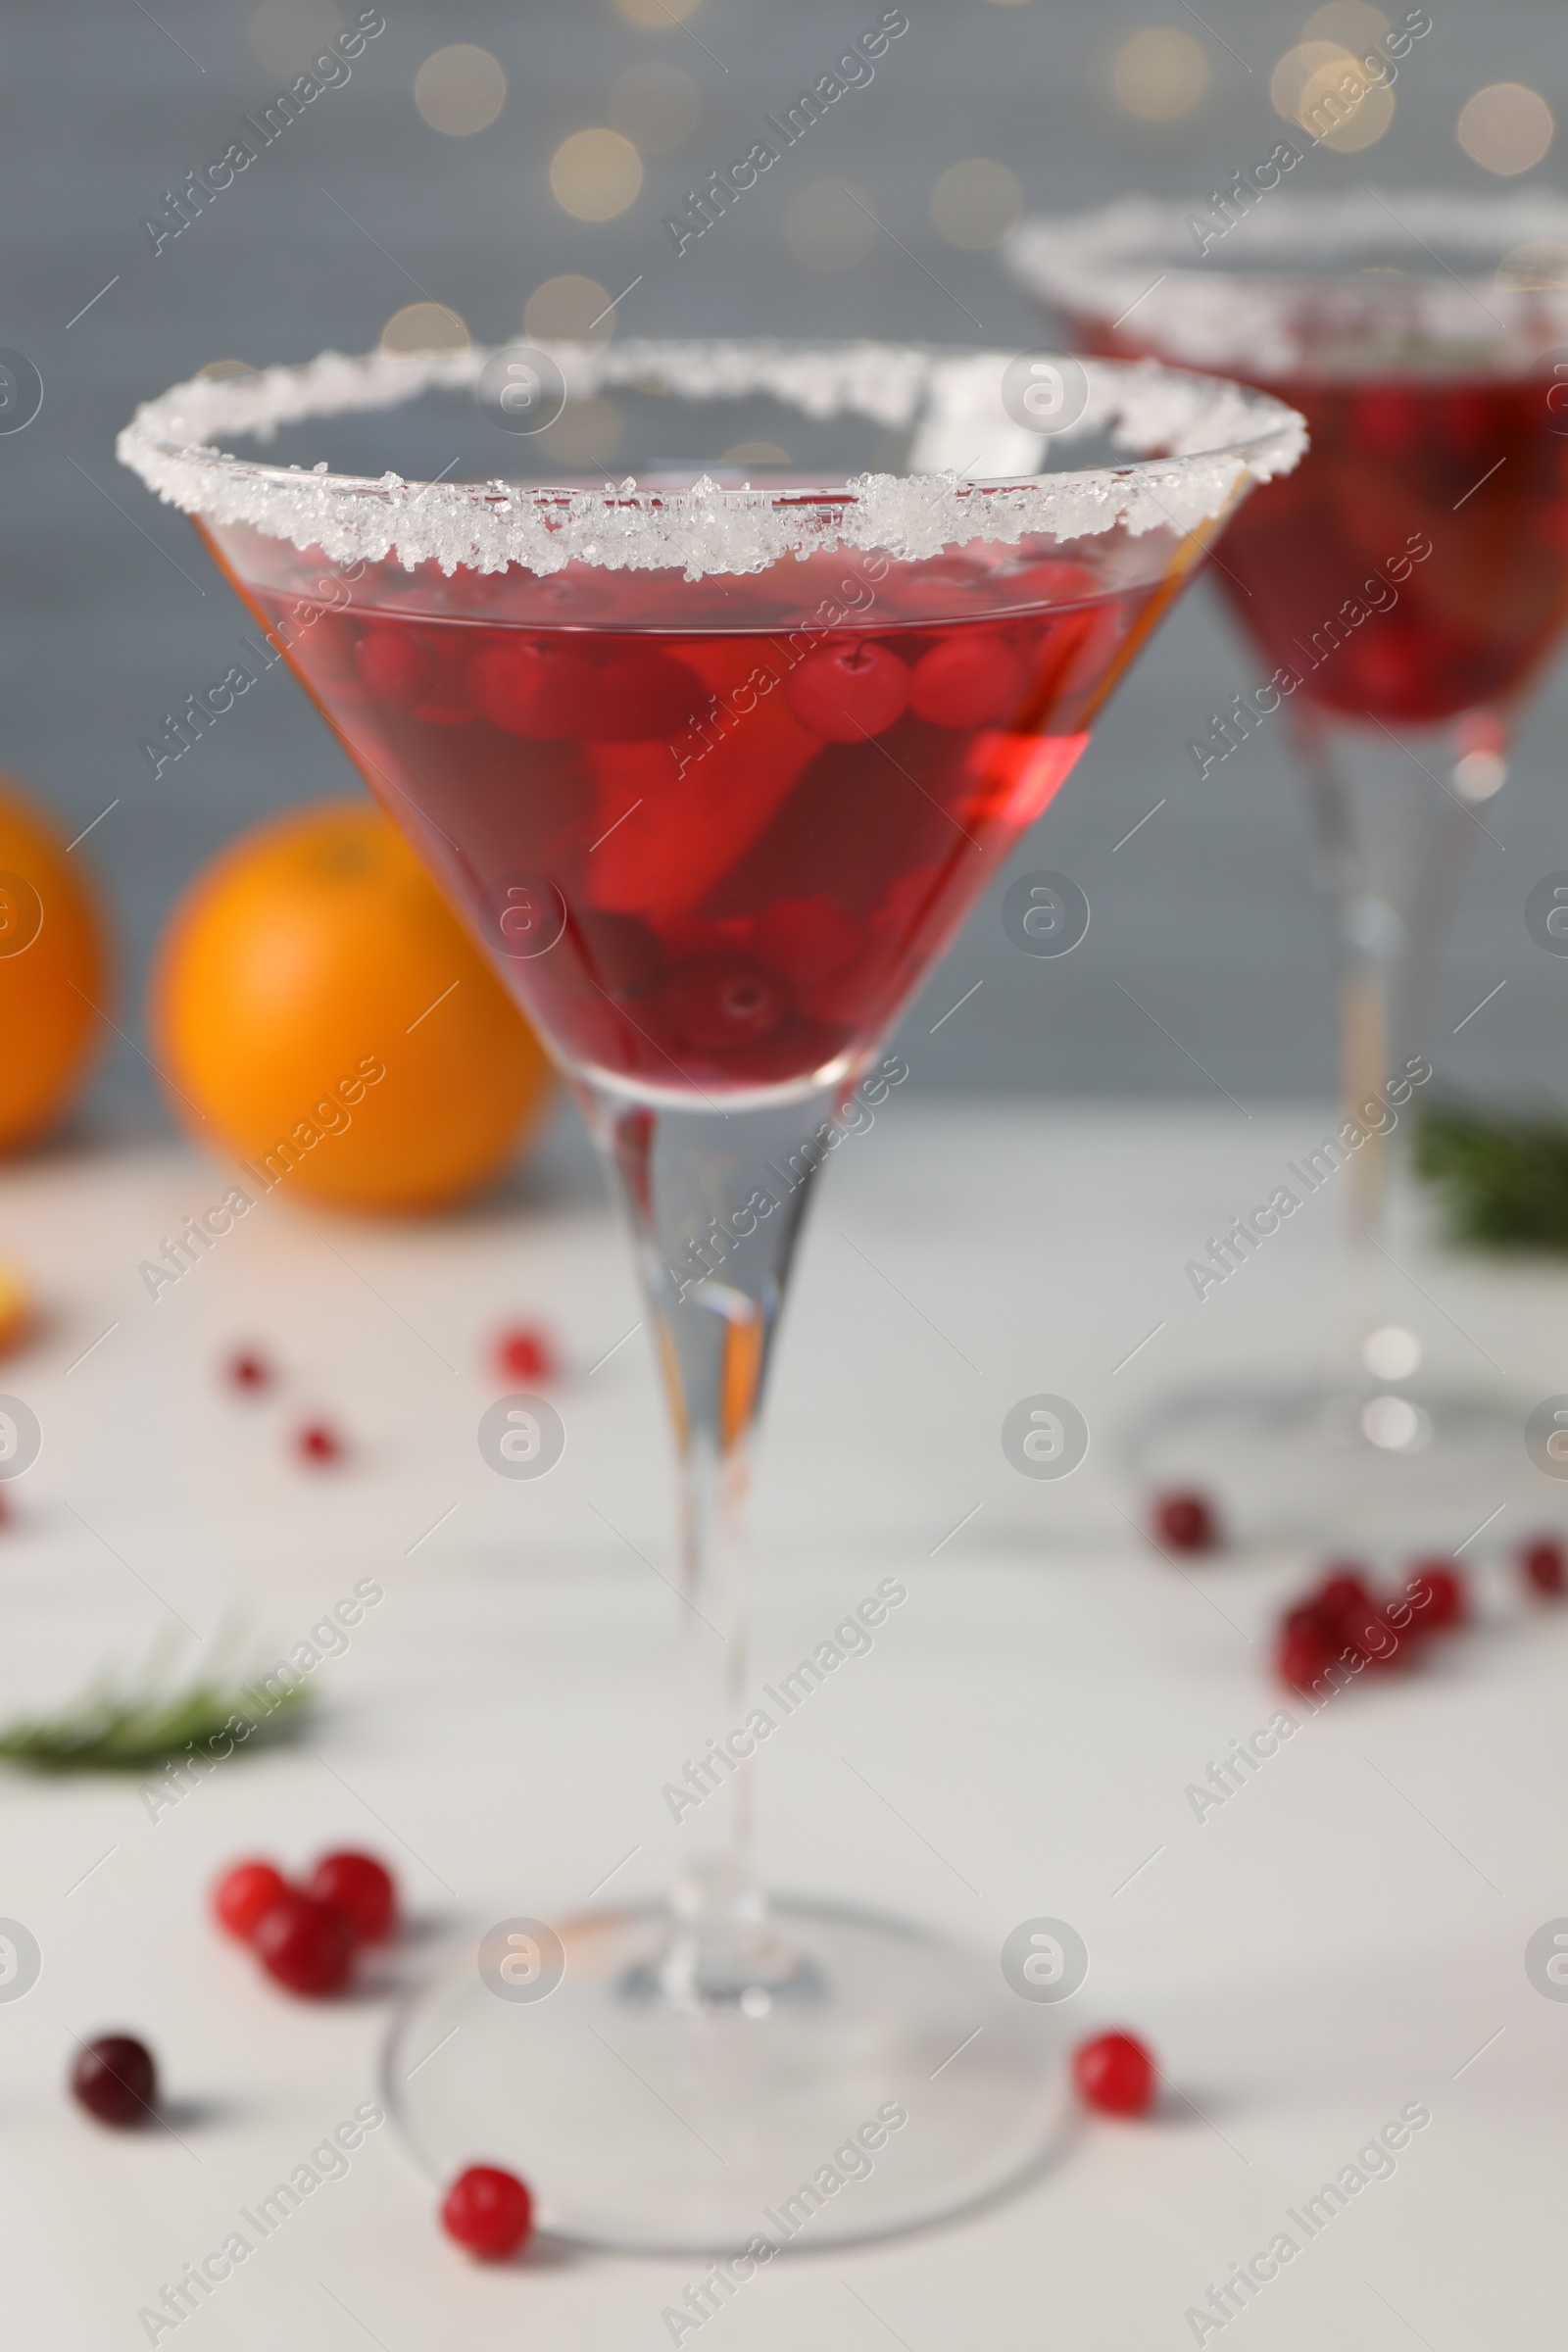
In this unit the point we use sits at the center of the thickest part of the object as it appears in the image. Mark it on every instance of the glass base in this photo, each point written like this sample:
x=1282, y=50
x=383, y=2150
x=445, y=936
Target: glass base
x=881, y=2080
x=1417, y=1467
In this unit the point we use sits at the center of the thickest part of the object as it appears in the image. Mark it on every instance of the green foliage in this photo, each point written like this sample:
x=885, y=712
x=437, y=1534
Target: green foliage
x=125, y=1729
x=1502, y=1178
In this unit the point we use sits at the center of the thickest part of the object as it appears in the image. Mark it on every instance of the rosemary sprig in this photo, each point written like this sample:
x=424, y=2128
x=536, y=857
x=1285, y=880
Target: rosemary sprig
x=128, y=1726
x=1501, y=1177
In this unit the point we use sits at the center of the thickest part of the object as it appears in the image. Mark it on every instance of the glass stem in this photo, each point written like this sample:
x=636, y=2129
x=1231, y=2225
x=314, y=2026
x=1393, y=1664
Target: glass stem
x=1397, y=823
x=714, y=1201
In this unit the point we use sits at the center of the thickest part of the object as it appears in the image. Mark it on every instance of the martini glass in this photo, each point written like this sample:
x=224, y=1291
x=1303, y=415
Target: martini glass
x=714, y=763
x=1403, y=592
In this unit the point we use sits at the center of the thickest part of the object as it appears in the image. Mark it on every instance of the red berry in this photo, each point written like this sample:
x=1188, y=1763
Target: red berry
x=250, y=1371
x=847, y=692
x=306, y=1945
x=967, y=681
x=115, y=2080
x=1305, y=1654
x=531, y=689
x=1363, y=1629
x=319, y=1442
x=244, y=1895
x=807, y=940
x=642, y=696
x=1186, y=1522
x=1545, y=1566
x=525, y=1353
x=1115, y=2074
x=361, y=1888
x=1344, y=1587
x=717, y=1001
x=487, y=2210
x=395, y=665
x=1438, y=1597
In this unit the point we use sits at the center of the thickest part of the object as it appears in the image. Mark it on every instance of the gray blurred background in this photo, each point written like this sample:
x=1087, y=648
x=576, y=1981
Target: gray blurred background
x=111, y=613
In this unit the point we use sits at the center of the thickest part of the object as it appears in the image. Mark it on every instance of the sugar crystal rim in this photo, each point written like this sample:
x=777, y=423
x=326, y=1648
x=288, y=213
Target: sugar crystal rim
x=1211, y=436
x=1152, y=256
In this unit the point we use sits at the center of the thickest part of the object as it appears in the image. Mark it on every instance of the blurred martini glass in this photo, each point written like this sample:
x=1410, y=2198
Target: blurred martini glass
x=1404, y=589
x=714, y=759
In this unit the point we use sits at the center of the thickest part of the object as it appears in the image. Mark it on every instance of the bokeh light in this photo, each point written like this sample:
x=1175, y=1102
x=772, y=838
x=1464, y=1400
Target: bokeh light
x=1350, y=23
x=1322, y=89
x=461, y=90
x=421, y=327
x=596, y=174
x=287, y=36
x=655, y=106
x=657, y=16
x=570, y=310
x=828, y=225
x=1538, y=265
x=974, y=203
x=586, y=433
x=1506, y=127
x=1159, y=74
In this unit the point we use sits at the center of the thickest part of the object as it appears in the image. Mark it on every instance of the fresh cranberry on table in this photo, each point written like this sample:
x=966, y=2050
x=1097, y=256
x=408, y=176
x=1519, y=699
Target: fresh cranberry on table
x=1343, y=1585
x=318, y=1443
x=487, y=2210
x=1543, y=1564
x=846, y=692
x=1437, y=1596
x=115, y=2079
x=361, y=1888
x=250, y=1370
x=305, y=1946
x=1307, y=1649
x=1186, y=1520
x=244, y=1895
x=1114, y=2075
x=526, y=1353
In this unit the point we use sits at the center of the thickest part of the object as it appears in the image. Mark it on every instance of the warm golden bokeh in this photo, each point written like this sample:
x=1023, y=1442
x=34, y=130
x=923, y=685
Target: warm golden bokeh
x=655, y=106
x=422, y=328
x=657, y=16
x=287, y=36
x=828, y=225
x=974, y=203
x=570, y=309
x=1539, y=265
x=1350, y=23
x=1159, y=74
x=596, y=174
x=587, y=432
x=1321, y=88
x=1506, y=127
x=460, y=89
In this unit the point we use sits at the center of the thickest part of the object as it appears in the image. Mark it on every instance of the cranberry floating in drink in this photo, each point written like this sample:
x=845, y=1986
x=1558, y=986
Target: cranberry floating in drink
x=1402, y=592
x=714, y=765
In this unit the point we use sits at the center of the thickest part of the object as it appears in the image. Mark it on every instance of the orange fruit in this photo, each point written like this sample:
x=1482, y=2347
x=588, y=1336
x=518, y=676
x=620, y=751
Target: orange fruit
x=318, y=1009
x=53, y=969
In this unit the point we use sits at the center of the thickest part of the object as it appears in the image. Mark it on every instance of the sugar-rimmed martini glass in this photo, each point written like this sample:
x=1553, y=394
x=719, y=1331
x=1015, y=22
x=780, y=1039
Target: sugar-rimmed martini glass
x=714, y=766
x=1405, y=588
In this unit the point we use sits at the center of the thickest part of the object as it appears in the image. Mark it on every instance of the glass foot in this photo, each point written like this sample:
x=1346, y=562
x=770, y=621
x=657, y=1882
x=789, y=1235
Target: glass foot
x=1409, y=1467
x=885, y=2078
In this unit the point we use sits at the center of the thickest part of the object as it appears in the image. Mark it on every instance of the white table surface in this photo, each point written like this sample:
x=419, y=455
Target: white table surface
x=1336, y=1942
